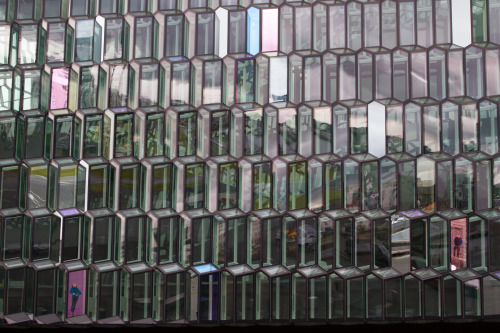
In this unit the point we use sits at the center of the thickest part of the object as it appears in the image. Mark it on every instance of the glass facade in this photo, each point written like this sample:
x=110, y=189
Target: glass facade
x=248, y=161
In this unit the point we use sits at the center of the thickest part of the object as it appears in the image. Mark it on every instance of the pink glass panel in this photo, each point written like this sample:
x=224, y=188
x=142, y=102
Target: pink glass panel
x=76, y=293
x=270, y=30
x=59, y=91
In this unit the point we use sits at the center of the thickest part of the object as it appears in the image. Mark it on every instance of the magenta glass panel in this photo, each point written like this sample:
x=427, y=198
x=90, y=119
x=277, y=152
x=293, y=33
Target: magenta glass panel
x=270, y=30
x=59, y=91
x=76, y=293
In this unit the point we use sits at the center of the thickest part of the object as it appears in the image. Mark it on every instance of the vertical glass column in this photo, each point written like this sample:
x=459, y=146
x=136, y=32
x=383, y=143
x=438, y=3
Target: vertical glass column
x=84, y=89
x=491, y=60
x=116, y=37
x=149, y=133
x=492, y=217
x=414, y=230
x=174, y=36
x=320, y=25
x=439, y=247
x=324, y=182
x=146, y=84
x=247, y=123
x=12, y=184
x=206, y=80
x=398, y=182
x=479, y=20
x=365, y=75
x=58, y=133
x=468, y=289
x=28, y=44
x=55, y=86
x=130, y=237
x=361, y=183
x=383, y=72
x=30, y=134
x=88, y=134
x=34, y=181
x=230, y=235
x=27, y=84
x=72, y=279
x=156, y=175
x=114, y=87
x=118, y=133
x=13, y=233
x=6, y=85
x=263, y=227
x=239, y=76
x=475, y=72
x=13, y=294
x=163, y=245
x=407, y=22
x=326, y=242
x=95, y=178
x=88, y=38
x=200, y=27
x=196, y=237
x=428, y=283
x=104, y=293
x=59, y=40
x=99, y=242
x=473, y=180
x=181, y=131
x=392, y=282
x=456, y=75
x=222, y=183
x=189, y=183
x=478, y=239
x=124, y=183
x=170, y=294
x=354, y=31
x=202, y=304
x=450, y=123
x=299, y=237
x=401, y=74
x=71, y=222
x=8, y=134
x=5, y=37
x=273, y=300
x=340, y=237
x=136, y=281
x=381, y=238
x=457, y=223
x=282, y=133
x=255, y=181
x=144, y=34
x=42, y=282
x=214, y=130
x=290, y=183
x=177, y=81
x=434, y=182
x=65, y=191
x=237, y=294
x=351, y=282
x=309, y=294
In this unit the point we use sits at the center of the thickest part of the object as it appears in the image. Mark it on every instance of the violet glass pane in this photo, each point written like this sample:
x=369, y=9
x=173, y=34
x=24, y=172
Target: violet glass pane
x=270, y=30
x=59, y=91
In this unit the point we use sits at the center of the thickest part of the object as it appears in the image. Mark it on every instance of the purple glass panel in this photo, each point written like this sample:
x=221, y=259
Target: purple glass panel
x=59, y=91
x=76, y=293
x=413, y=213
x=69, y=212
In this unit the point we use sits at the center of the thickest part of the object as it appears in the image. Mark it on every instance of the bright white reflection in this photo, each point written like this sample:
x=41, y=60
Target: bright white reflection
x=376, y=129
x=461, y=22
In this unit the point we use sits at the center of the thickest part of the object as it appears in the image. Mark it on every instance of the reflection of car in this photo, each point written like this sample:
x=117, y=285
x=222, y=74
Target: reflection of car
x=305, y=235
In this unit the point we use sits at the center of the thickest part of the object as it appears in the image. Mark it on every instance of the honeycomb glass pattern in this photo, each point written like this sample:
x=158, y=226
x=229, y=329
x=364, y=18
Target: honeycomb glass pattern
x=249, y=161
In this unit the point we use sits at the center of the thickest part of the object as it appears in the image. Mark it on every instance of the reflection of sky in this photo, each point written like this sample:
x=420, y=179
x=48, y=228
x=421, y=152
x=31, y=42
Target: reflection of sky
x=278, y=76
x=376, y=129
